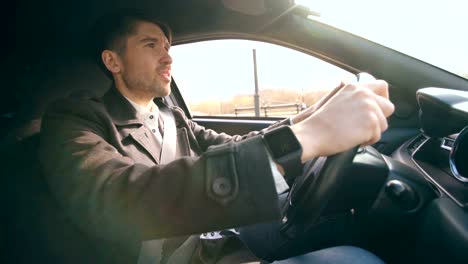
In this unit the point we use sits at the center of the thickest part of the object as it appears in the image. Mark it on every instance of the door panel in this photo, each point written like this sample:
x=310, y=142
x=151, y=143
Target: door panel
x=233, y=126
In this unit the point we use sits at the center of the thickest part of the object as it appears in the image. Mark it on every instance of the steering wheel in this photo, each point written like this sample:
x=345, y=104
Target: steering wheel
x=312, y=191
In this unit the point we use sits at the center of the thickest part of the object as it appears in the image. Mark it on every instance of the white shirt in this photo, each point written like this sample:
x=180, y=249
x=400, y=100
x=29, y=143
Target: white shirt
x=150, y=114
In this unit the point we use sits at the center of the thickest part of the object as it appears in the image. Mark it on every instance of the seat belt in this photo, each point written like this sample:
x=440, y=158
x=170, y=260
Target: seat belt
x=169, y=143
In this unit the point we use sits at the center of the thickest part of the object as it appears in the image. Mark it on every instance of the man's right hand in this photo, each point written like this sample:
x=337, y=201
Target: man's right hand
x=355, y=115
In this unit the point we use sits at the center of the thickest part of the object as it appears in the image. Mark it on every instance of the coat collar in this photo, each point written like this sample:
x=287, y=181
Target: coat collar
x=121, y=111
x=124, y=114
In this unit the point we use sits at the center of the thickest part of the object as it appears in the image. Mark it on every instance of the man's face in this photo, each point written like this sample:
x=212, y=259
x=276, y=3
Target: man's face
x=146, y=62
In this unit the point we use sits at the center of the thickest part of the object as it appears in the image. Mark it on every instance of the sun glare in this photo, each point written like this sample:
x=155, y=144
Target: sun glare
x=430, y=30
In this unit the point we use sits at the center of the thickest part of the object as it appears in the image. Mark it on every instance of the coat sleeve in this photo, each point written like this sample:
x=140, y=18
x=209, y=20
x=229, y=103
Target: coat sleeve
x=208, y=137
x=116, y=198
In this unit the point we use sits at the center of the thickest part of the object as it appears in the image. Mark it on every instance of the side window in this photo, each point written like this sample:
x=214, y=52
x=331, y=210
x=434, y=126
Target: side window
x=219, y=78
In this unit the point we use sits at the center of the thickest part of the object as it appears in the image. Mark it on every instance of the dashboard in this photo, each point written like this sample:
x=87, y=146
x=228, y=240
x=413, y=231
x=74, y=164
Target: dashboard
x=434, y=157
x=440, y=151
x=439, y=157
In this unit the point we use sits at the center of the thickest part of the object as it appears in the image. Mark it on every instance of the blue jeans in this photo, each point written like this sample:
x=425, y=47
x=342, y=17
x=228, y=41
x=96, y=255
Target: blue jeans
x=335, y=255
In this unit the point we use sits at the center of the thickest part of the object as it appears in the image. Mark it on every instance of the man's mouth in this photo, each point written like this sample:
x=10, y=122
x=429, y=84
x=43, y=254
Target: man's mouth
x=166, y=74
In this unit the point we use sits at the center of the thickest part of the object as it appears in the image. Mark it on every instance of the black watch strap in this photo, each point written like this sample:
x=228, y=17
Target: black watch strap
x=285, y=150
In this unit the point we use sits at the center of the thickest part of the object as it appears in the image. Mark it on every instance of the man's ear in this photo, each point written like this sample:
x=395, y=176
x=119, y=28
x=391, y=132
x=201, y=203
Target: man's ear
x=112, y=61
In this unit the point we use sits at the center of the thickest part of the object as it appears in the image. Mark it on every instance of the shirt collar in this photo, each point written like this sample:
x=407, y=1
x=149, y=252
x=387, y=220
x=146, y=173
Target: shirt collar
x=150, y=108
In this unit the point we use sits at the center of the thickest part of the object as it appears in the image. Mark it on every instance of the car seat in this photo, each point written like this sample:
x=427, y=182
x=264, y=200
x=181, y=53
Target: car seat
x=37, y=230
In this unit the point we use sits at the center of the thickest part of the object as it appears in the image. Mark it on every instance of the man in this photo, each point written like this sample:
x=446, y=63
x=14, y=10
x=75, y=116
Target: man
x=128, y=169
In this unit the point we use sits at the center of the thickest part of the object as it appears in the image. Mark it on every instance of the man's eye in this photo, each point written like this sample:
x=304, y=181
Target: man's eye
x=151, y=45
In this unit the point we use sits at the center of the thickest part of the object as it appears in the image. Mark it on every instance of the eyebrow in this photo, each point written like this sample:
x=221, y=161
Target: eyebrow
x=149, y=39
x=153, y=39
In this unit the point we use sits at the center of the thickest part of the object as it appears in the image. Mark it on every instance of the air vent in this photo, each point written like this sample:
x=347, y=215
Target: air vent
x=447, y=143
x=417, y=142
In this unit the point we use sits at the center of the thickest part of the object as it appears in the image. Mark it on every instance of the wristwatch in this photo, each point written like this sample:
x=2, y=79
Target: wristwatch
x=285, y=150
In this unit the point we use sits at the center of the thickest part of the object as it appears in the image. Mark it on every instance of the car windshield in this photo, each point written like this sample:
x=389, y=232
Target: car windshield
x=433, y=31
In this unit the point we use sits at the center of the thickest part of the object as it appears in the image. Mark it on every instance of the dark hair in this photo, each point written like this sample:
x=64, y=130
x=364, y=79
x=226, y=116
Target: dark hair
x=111, y=31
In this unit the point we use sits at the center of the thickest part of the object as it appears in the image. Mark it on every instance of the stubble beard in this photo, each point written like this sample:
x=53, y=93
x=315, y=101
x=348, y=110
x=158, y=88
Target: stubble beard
x=146, y=88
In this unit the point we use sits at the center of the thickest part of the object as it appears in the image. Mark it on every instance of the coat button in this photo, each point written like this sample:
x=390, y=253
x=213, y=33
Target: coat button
x=221, y=186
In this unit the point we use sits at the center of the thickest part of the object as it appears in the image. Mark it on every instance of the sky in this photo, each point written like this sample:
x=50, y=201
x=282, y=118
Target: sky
x=198, y=72
x=433, y=31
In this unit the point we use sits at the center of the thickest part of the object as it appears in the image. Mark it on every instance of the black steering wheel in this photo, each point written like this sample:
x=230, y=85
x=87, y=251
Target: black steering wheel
x=312, y=191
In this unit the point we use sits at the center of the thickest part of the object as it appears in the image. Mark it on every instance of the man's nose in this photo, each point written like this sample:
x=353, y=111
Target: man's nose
x=167, y=59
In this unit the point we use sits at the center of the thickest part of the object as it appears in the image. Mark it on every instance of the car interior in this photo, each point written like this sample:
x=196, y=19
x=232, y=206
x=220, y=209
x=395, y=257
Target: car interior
x=408, y=193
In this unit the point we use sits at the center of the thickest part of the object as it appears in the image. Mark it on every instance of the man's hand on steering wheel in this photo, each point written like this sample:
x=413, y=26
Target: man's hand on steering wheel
x=351, y=115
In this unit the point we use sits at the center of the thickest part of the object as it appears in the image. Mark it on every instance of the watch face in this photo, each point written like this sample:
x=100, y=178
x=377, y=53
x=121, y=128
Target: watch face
x=281, y=142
